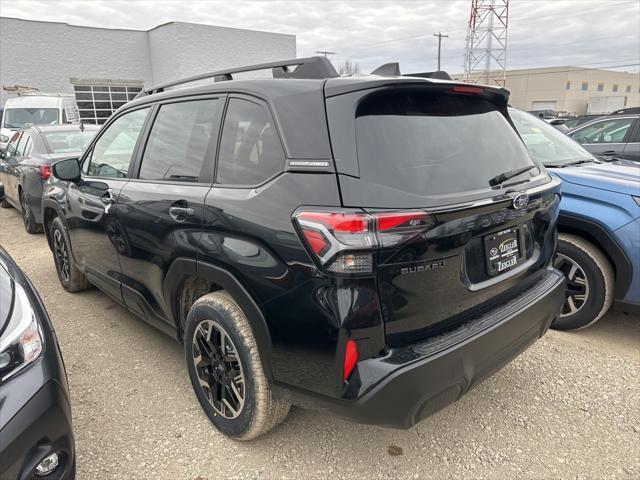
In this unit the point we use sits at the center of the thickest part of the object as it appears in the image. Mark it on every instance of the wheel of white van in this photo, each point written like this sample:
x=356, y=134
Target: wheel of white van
x=590, y=283
x=71, y=279
x=225, y=369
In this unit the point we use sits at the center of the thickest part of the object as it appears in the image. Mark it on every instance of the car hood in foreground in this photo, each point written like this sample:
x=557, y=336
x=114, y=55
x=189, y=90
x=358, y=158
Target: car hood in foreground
x=616, y=177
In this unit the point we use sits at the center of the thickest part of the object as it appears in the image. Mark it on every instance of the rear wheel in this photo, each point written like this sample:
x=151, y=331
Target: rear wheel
x=28, y=217
x=225, y=369
x=71, y=279
x=590, y=283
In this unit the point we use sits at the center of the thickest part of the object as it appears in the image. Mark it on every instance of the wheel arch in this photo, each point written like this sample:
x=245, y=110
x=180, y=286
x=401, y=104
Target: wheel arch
x=49, y=212
x=188, y=280
x=601, y=238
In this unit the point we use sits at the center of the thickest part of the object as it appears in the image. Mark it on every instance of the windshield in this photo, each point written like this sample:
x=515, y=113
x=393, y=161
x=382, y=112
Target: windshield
x=19, y=117
x=545, y=143
x=68, y=142
x=437, y=144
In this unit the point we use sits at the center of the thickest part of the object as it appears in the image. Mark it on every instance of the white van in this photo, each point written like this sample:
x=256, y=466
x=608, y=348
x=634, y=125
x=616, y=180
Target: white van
x=36, y=109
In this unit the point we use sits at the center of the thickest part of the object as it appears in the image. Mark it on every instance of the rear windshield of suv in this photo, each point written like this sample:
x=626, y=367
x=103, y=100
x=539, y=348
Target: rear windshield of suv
x=437, y=144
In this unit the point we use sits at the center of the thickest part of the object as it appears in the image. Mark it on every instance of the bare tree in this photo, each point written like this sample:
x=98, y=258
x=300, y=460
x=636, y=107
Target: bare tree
x=349, y=68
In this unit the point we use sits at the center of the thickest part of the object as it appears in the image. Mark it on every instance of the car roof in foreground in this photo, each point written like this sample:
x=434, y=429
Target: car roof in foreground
x=273, y=88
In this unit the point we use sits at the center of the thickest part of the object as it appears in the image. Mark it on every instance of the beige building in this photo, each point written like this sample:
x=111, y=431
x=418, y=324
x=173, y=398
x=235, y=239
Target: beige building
x=569, y=89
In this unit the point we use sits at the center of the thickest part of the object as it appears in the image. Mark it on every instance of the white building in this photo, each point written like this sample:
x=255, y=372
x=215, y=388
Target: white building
x=106, y=67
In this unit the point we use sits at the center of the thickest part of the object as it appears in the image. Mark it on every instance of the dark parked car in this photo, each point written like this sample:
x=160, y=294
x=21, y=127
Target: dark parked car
x=36, y=438
x=374, y=246
x=599, y=224
x=614, y=137
x=575, y=122
x=26, y=165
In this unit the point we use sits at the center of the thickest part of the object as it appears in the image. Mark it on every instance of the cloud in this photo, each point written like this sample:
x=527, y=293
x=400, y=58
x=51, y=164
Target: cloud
x=541, y=32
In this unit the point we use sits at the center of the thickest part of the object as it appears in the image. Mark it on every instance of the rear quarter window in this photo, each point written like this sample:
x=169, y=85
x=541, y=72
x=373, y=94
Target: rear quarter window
x=436, y=144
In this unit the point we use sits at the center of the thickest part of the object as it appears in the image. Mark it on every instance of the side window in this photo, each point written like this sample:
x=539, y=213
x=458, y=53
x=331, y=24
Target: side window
x=111, y=154
x=607, y=131
x=12, y=147
x=250, y=150
x=179, y=141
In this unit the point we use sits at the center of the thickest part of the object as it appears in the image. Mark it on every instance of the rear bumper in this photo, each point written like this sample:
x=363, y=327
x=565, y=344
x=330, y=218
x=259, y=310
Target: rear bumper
x=442, y=370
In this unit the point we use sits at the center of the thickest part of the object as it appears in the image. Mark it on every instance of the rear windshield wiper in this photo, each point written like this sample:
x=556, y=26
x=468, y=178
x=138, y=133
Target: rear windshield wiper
x=503, y=177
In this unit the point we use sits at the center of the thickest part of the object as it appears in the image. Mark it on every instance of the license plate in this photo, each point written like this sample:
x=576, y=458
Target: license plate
x=502, y=251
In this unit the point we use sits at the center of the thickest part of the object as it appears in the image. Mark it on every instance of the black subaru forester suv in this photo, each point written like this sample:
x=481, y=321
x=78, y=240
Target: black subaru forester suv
x=371, y=245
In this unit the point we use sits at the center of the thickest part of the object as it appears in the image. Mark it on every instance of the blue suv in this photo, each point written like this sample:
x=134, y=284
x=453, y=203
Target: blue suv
x=599, y=224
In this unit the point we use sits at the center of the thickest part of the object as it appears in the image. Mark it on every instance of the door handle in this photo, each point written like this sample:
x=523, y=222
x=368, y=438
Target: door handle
x=609, y=152
x=180, y=213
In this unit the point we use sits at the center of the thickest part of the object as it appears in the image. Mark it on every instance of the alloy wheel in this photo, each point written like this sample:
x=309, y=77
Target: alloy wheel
x=577, y=284
x=219, y=369
x=26, y=210
x=62, y=255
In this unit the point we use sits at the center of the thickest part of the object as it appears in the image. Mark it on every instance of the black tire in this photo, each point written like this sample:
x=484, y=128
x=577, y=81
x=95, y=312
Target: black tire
x=71, y=279
x=590, y=283
x=260, y=410
x=29, y=220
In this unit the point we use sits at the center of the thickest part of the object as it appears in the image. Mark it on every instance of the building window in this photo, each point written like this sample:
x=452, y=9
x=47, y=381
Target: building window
x=628, y=90
x=600, y=87
x=568, y=85
x=585, y=86
x=96, y=103
x=615, y=87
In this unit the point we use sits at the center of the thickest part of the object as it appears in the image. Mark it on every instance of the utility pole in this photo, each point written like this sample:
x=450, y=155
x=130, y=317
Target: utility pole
x=326, y=53
x=440, y=35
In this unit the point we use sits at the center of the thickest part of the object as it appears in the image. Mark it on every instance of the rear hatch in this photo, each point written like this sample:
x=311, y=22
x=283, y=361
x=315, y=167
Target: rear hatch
x=449, y=151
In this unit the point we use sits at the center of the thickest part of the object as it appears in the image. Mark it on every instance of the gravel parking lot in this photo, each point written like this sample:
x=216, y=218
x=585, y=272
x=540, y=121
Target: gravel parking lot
x=568, y=408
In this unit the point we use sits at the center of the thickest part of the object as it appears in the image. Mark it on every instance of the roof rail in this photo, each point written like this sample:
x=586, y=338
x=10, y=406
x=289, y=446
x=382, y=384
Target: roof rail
x=310, y=67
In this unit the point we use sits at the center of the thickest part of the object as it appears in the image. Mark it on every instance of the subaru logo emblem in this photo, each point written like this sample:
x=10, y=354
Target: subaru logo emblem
x=520, y=201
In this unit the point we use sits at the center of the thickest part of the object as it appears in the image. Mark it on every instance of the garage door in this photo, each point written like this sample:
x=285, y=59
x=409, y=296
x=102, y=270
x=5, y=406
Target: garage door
x=543, y=105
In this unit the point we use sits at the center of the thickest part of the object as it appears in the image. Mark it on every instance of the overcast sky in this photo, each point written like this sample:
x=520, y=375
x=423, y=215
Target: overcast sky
x=593, y=33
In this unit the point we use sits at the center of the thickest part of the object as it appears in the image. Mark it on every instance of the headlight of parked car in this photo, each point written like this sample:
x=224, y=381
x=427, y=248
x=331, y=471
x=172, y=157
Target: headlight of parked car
x=21, y=342
x=4, y=139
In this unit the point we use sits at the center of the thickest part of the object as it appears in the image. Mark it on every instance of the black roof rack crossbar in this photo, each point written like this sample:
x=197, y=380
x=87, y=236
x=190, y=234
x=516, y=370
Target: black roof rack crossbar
x=310, y=67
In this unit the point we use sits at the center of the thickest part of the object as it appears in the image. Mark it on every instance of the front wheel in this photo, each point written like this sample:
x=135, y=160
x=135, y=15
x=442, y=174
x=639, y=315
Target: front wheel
x=225, y=369
x=590, y=283
x=72, y=279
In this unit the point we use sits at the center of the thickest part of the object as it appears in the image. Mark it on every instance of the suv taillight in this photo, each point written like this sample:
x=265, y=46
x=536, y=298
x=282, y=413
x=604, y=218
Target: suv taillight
x=345, y=241
x=45, y=171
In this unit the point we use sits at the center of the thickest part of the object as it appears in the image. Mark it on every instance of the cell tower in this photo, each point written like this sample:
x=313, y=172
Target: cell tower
x=486, y=52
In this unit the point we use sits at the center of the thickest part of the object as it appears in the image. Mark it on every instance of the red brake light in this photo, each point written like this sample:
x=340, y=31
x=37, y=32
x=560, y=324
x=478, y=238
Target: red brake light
x=350, y=359
x=345, y=241
x=45, y=171
x=389, y=221
x=339, y=222
x=316, y=241
x=467, y=89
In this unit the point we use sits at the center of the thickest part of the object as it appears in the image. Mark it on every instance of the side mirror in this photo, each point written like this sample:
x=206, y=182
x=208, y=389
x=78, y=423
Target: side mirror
x=67, y=170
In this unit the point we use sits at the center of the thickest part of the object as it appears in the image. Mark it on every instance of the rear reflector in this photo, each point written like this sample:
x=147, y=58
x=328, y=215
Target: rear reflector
x=350, y=359
x=466, y=89
x=45, y=171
